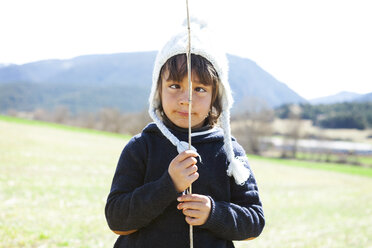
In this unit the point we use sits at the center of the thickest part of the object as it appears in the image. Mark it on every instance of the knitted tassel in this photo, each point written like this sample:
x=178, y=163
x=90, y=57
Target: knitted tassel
x=238, y=171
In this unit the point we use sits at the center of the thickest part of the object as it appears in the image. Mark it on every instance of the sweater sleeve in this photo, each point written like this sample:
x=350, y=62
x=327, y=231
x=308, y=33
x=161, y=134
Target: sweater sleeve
x=241, y=218
x=128, y=204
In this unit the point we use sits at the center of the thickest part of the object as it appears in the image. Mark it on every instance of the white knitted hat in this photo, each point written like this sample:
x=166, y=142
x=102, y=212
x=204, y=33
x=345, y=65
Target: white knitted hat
x=201, y=44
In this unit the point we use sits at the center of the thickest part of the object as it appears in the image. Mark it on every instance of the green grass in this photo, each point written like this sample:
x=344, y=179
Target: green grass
x=307, y=207
x=343, y=168
x=334, y=158
x=54, y=182
x=53, y=185
x=365, y=160
x=60, y=126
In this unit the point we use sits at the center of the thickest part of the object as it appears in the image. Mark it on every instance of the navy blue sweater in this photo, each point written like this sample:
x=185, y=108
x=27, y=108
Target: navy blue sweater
x=143, y=196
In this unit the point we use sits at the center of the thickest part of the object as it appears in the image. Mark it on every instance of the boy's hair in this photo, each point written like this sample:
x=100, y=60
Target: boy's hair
x=176, y=67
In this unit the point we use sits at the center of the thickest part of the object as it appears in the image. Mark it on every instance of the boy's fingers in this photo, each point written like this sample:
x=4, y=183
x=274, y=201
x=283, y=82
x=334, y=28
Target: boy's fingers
x=193, y=221
x=193, y=177
x=186, y=154
x=192, y=197
x=189, y=205
x=192, y=169
x=191, y=213
x=188, y=162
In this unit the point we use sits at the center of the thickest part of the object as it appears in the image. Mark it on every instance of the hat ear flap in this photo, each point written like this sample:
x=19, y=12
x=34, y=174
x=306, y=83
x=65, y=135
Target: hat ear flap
x=236, y=166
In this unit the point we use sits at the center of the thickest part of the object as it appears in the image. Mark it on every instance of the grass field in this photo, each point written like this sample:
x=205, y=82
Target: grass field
x=54, y=182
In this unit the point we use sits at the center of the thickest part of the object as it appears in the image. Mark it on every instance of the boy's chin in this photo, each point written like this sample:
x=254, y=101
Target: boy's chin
x=181, y=125
x=193, y=126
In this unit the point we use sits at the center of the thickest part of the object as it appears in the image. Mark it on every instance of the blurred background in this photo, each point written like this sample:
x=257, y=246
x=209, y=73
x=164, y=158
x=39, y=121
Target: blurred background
x=300, y=72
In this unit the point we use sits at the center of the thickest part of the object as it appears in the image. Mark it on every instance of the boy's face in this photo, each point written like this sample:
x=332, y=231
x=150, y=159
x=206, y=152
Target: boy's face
x=175, y=97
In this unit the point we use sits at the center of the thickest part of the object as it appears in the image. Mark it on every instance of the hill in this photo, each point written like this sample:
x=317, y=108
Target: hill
x=248, y=80
x=343, y=96
x=122, y=81
x=364, y=98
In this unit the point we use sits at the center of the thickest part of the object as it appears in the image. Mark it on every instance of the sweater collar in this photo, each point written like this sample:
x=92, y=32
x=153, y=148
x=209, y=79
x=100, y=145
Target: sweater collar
x=171, y=126
x=199, y=135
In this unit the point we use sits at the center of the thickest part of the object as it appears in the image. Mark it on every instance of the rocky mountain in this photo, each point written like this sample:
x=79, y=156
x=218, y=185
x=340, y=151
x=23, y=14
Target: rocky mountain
x=122, y=81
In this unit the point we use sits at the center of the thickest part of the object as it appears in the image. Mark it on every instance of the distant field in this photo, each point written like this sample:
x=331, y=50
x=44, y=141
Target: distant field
x=54, y=182
x=365, y=136
x=343, y=168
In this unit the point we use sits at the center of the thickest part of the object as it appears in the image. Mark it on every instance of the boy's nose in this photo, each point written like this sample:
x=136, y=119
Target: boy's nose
x=184, y=97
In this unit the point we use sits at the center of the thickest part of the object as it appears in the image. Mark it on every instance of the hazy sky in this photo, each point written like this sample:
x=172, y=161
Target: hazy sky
x=316, y=47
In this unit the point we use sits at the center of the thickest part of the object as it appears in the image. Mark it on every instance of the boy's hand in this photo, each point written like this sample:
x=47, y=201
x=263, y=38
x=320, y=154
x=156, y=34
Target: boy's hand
x=195, y=207
x=183, y=170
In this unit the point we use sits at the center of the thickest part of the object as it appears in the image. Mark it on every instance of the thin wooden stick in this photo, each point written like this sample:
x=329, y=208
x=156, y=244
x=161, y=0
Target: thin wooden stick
x=188, y=56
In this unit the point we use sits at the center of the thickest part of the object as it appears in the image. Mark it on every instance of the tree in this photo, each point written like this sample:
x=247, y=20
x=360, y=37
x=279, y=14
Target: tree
x=294, y=132
x=252, y=123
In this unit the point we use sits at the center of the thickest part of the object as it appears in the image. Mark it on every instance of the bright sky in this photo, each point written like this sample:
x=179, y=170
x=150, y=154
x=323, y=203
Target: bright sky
x=316, y=47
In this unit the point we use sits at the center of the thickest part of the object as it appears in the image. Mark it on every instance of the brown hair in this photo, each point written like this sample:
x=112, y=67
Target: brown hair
x=176, y=67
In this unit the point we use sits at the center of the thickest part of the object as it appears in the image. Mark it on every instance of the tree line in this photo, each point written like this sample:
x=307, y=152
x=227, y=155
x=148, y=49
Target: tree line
x=254, y=127
x=339, y=115
x=105, y=119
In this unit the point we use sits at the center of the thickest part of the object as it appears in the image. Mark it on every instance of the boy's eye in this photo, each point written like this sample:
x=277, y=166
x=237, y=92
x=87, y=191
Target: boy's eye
x=174, y=86
x=200, y=89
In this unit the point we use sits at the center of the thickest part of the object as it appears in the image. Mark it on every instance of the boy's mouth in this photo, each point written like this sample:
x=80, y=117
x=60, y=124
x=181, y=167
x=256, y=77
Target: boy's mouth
x=182, y=113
